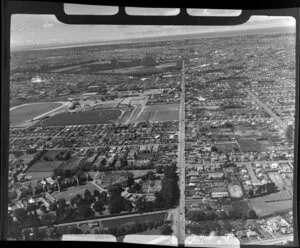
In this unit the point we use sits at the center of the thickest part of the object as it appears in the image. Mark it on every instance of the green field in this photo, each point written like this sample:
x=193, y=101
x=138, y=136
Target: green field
x=27, y=112
x=249, y=145
x=160, y=112
x=73, y=191
x=73, y=162
x=272, y=203
x=82, y=118
x=241, y=207
x=44, y=166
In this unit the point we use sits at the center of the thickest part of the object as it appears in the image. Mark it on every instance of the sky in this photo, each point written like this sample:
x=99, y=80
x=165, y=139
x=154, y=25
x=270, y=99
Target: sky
x=31, y=30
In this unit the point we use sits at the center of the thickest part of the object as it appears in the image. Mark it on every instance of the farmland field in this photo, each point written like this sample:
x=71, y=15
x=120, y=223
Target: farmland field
x=269, y=204
x=82, y=118
x=29, y=111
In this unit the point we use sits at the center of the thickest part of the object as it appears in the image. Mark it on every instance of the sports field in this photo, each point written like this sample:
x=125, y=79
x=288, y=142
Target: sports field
x=102, y=116
x=28, y=111
x=155, y=113
x=269, y=204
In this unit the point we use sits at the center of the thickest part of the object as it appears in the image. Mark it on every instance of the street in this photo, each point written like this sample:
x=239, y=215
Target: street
x=181, y=162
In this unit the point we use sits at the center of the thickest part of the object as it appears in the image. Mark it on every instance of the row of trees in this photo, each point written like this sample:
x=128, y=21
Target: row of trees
x=200, y=215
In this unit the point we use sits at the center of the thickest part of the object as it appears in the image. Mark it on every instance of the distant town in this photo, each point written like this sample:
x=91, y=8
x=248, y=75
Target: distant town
x=181, y=137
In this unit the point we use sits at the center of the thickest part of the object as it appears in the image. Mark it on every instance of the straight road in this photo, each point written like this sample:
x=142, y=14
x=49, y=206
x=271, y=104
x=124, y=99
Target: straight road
x=181, y=162
x=282, y=124
x=110, y=218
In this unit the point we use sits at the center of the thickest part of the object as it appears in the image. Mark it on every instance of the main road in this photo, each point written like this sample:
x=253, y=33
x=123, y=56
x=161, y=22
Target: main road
x=181, y=162
x=281, y=123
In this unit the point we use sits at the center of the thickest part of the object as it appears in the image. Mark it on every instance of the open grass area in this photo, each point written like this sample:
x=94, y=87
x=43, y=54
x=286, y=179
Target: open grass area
x=73, y=162
x=39, y=175
x=73, y=191
x=269, y=204
x=82, y=118
x=29, y=111
x=249, y=145
x=241, y=207
x=44, y=166
x=160, y=112
x=275, y=177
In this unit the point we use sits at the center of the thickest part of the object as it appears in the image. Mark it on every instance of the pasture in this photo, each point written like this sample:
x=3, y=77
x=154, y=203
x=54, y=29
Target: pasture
x=82, y=118
x=269, y=204
x=29, y=111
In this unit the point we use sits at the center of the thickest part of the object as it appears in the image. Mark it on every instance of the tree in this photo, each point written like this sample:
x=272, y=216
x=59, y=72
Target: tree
x=21, y=215
x=97, y=193
x=85, y=211
x=214, y=149
x=116, y=205
x=130, y=180
x=87, y=193
x=39, y=234
x=252, y=214
x=61, y=203
x=99, y=206
x=48, y=219
x=75, y=230
x=43, y=209
x=115, y=190
x=127, y=205
x=159, y=169
x=166, y=229
x=53, y=206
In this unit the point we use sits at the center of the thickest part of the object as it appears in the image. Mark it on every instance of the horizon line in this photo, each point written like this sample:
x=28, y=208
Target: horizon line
x=62, y=45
